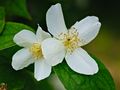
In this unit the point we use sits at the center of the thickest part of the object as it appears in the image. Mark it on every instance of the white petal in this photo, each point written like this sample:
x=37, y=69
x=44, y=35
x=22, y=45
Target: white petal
x=88, y=29
x=42, y=70
x=53, y=50
x=80, y=62
x=55, y=20
x=25, y=38
x=21, y=59
x=42, y=35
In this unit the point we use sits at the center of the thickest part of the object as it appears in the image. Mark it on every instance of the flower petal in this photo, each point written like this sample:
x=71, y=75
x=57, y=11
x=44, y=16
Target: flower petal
x=25, y=38
x=21, y=59
x=80, y=62
x=42, y=70
x=53, y=51
x=88, y=29
x=42, y=35
x=55, y=20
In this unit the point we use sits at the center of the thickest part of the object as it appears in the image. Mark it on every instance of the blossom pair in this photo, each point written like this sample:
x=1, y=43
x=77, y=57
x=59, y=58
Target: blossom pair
x=46, y=51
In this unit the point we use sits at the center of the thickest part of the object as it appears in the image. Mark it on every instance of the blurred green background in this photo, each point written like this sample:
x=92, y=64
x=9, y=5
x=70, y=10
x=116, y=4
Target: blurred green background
x=107, y=44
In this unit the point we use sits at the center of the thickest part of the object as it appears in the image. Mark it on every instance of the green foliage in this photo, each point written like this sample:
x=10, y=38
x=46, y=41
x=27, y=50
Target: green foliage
x=10, y=29
x=15, y=8
x=2, y=18
x=74, y=81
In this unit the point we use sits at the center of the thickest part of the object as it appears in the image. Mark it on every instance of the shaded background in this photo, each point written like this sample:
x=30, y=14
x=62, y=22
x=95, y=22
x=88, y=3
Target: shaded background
x=107, y=44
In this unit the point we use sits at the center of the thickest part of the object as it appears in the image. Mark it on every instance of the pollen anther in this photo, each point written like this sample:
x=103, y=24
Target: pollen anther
x=70, y=39
x=36, y=50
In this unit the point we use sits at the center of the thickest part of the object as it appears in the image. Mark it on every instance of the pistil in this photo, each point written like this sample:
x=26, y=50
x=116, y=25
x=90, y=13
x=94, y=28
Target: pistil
x=36, y=50
x=70, y=39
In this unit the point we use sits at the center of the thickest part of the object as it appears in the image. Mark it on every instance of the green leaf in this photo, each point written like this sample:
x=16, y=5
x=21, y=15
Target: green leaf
x=16, y=8
x=10, y=29
x=74, y=81
x=2, y=18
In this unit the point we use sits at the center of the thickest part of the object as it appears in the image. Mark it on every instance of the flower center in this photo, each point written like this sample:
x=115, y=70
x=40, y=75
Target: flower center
x=70, y=39
x=36, y=50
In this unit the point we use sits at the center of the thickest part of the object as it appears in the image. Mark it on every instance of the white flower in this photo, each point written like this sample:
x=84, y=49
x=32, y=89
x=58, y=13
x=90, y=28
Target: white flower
x=67, y=43
x=31, y=53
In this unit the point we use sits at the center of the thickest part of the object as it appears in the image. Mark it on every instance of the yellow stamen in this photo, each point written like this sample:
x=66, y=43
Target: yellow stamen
x=70, y=39
x=36, y=50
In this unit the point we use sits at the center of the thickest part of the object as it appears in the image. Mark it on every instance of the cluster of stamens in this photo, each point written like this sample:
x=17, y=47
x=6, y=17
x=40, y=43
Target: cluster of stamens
x=70, y=39
x=36, y=50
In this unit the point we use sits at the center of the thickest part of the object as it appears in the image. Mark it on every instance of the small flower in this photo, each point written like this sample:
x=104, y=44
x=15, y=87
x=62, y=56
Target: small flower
x=67, y=43
x=3, y=86
x=31, y=53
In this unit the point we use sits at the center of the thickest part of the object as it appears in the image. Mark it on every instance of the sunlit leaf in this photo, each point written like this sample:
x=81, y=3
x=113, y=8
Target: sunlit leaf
x=74, y=81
